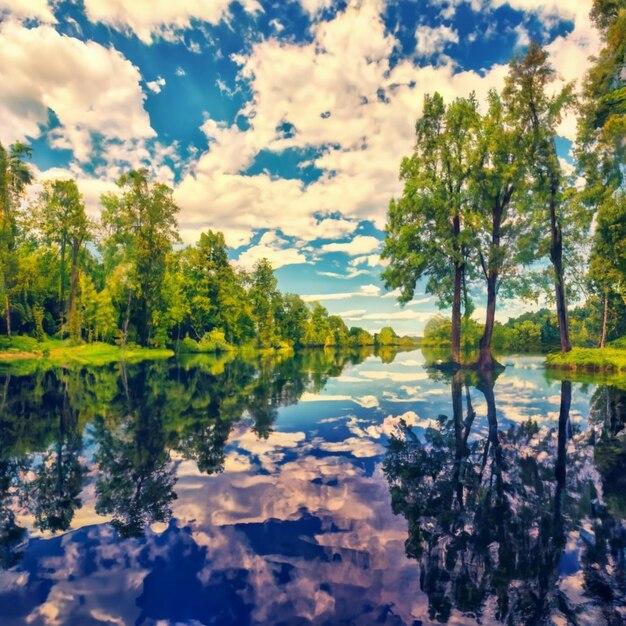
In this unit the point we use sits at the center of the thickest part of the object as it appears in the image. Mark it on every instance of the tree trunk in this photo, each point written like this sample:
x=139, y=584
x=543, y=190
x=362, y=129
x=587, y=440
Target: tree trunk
x=485, y=359
x=62, y=289
x=556, y=256
x=73, y=305
x=456, y=300
x=7, y=308
x=605, y=318
x=126, y=321
x=456, y=314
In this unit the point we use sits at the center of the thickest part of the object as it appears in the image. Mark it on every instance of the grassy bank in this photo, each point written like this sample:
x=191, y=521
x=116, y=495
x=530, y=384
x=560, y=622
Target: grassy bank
x=62, y=352
x=589, y=359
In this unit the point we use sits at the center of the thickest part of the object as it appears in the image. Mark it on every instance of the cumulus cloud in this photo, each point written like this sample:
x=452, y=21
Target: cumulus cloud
x=361, y=244
x=273, y=248
x=149, y=19
x=432, y=41
x=368, y=291
x=156, y=85
x=28, y=9
x=89, y=87
x=328, y=90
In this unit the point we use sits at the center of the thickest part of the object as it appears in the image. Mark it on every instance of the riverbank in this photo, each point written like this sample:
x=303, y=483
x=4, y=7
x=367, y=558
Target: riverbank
x=63, y=352
x=589, y=360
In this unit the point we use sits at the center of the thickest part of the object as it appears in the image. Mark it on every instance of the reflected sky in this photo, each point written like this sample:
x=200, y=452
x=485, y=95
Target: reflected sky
x=261, y=492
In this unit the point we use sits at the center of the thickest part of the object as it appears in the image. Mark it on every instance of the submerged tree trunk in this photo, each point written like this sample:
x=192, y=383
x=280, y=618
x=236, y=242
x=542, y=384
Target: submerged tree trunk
x=605, y=318
x=556, y=256
x=485, y=359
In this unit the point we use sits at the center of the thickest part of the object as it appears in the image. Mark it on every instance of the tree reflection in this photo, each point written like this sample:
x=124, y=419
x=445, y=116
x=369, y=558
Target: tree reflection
x=54, y=493
x=141, y=417
x=136, y=479
x=489, y=512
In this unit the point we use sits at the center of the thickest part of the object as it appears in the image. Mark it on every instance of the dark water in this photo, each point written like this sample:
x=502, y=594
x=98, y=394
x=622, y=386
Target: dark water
x=319, y=489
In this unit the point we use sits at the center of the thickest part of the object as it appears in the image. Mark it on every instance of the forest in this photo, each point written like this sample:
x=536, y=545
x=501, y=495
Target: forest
x=491, y=206
x=127, y=280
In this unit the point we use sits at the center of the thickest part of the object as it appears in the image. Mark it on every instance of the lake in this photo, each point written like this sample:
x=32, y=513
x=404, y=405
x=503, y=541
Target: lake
x=323, y=488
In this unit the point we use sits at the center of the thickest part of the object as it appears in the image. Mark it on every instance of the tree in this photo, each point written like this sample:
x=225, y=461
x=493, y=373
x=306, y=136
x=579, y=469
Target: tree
x=501, y=221
x=213, y=291
x=387, y=337
x=15, y=175
x=140, y=227
x=263, y=298
x=526, y=91
x=601, y=152
x=62, y=219
x=427, y=234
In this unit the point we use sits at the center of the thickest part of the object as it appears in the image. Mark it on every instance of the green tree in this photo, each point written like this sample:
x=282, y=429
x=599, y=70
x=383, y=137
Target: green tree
x=387, y=337
x=539, y=113
x=213, y=291
x=140, y=228
x=263, y=298
x=294, y=321
x=501, y=219
x=427, y=233
x=61, y=217
x=601, y=153
x=15, y=175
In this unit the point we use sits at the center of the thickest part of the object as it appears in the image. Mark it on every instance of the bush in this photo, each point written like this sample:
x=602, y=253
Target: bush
x=214, y=341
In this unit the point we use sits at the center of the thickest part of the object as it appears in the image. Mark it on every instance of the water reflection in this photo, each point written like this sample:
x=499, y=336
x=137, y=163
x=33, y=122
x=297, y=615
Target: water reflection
x=263, y=491
x=502, y=522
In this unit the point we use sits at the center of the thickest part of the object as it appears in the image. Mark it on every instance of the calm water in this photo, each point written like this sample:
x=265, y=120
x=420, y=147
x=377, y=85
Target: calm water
x=321, y=489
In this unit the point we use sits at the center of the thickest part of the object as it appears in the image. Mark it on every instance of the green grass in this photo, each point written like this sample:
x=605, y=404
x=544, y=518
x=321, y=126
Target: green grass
x=57, y=352
x=589, y=359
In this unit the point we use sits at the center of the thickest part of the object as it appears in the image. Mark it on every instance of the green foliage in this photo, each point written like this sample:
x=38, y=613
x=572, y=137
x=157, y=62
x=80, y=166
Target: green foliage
x=610, y=359
x=213, y=341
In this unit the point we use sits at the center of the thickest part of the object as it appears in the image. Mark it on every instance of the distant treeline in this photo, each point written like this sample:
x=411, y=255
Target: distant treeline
x=123, y=280
x=536, y=331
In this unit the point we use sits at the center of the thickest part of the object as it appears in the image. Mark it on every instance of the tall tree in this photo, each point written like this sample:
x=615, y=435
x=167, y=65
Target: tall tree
x=539, y=113
x=62, y=219
x=140, y=226
x=15, y=175
x=601, y=153
x=501, y=221
x=427, y=234
x=263, y=297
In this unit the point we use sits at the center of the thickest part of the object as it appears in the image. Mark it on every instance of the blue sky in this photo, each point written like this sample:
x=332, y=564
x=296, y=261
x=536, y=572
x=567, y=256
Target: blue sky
x=281, y=123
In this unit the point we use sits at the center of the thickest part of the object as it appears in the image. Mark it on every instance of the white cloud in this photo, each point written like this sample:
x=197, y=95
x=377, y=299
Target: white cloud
x=371, y=260
x=334, y=228
x=150, y=19
x=89, y=87
x=361, y=244
x=328, y=90
x=28, y=9
x=367, y=291
x=156, y=85
x=313, y=7
x=352, y=273
x=433, y=41
x=386, y=316
x=274, y=249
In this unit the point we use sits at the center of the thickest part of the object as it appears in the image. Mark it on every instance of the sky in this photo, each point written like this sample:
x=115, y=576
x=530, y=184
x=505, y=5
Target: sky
x=281, y=123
